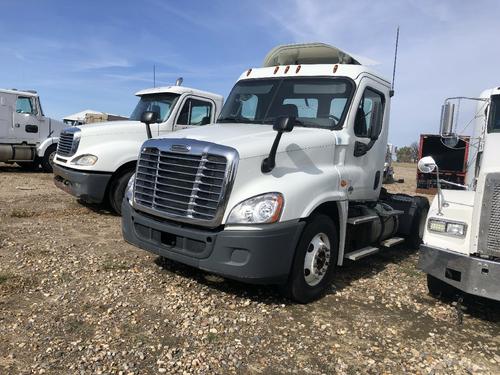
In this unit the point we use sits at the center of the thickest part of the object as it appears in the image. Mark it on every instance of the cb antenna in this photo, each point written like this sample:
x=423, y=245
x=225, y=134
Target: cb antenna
x=154, y=75
x=395, y=60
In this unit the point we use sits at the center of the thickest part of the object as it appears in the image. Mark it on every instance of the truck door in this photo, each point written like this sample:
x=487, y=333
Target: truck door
x=26, y=122
x=195, y=111
x=366, y=156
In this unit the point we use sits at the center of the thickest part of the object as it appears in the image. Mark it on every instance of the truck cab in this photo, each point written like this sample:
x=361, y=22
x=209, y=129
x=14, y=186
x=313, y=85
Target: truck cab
x=285, y=186
x=94, y=162
x=461, y=244
x=27, y=136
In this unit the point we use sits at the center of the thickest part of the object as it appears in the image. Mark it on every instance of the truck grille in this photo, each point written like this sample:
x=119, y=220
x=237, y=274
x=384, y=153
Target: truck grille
x=489, y=239
x=187, y=186
x=67, y=145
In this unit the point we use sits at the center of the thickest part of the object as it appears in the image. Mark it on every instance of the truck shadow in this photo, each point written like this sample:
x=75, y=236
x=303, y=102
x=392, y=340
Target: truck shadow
x=270, y=294
x=6, y=168
x=101, y=209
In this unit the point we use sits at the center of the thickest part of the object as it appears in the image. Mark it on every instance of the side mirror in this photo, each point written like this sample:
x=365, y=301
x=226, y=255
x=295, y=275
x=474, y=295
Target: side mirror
x=284, y=124
x=447, y=117
x=427, y=164
x=148, y=118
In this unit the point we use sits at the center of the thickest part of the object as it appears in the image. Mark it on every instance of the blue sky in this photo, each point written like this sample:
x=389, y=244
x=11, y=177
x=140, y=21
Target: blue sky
x=96, y=54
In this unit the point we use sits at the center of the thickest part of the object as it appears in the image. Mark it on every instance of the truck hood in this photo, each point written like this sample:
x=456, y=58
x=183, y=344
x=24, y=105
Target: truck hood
x=115, y=128
x=254, y=140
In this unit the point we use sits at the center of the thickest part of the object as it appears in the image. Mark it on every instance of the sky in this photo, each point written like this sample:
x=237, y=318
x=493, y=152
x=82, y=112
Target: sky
x=96, y=54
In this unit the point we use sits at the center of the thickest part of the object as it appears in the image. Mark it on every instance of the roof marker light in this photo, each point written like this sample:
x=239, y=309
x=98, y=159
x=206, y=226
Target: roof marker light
x=276, y=69
x=287, y=69
x=249, y=71
x=335, y=67
x=297, y=70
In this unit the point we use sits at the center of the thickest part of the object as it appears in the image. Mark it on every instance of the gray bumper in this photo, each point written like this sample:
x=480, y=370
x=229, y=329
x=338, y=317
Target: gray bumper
x=263, y=256
x=469, y=274
x=89, y=187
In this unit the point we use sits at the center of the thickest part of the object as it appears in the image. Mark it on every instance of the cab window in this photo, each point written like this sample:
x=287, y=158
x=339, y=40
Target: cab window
x=369, y=114
x=195, y=112
x=25, y=105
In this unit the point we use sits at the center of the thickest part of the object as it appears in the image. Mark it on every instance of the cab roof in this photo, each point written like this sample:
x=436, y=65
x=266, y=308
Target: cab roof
x=19, y=92
x=177, y=90
x=310, y=60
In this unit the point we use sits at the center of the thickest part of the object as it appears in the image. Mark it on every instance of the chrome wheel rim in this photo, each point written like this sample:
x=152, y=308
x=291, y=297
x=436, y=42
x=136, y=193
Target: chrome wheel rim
x=52, y=155
x=317, y=259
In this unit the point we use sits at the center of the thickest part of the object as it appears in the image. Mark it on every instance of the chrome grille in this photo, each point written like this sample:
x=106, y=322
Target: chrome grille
x=489, y=239
x=67, y=144
x=493, y=239
x=186, y=185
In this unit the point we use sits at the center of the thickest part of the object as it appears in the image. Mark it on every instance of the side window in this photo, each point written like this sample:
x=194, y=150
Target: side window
x=24, y=105
x=306, y=107
x=369, y=114
x=195, y=112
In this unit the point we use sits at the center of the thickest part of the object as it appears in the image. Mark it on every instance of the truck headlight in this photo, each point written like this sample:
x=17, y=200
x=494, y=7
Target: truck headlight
x=452, y=228
x=85, y=160
x=129, y=192
x=265, y=208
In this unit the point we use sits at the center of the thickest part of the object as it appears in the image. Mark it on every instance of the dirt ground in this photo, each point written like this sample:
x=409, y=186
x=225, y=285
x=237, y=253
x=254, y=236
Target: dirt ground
x=75, y=298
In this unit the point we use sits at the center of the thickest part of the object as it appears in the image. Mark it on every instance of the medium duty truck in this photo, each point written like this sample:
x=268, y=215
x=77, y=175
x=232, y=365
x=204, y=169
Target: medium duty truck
x=27, y=136
x=95, y=161
x=286, y=186
x=461, y=245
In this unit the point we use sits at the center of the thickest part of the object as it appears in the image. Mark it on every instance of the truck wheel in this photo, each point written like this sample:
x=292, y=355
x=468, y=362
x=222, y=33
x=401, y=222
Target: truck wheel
x=414, y=239
x=314, y=262
x=440, y=289
x=117, y=190
x=48, y=158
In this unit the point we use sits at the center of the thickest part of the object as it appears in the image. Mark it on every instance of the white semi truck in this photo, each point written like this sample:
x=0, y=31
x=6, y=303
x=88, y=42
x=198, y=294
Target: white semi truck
x=27, y=136
x=94, y=162
x=285, y=186
x=461, y=245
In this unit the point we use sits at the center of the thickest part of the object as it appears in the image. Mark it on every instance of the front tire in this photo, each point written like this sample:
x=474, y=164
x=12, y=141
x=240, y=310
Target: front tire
x=117, y=190
x=440, y=289
x=314, y=262
x=48, y=158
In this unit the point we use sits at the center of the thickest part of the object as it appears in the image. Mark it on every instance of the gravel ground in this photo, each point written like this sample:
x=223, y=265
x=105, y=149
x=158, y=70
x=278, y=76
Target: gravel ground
x=75, y=298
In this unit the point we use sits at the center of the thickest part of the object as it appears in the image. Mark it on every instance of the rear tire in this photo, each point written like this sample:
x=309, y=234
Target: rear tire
x=440, y=289
x=117, y=190
x=414, y=239
x=314, y=262
x=48, y=158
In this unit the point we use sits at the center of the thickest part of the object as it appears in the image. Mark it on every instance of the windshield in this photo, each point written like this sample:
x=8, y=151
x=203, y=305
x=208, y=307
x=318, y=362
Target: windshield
x=494, y=121
x=159, y=103
x=314, y=102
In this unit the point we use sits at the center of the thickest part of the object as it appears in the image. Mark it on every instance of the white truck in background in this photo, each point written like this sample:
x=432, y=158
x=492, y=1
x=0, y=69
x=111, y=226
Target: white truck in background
x=95, y=161
x=461, y=245
x=27, y=137
x=286, y=186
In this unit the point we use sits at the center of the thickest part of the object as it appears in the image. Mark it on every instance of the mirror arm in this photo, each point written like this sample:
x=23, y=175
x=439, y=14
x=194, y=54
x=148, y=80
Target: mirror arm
x=269, y=163
x=148, y=131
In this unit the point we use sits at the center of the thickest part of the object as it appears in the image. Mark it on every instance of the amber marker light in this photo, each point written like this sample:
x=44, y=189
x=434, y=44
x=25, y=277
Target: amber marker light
x=335, y=67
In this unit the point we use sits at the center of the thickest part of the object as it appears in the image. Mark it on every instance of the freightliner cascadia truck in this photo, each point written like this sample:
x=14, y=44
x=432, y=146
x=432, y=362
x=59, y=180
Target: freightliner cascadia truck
x=286, y=186
x=94, y=162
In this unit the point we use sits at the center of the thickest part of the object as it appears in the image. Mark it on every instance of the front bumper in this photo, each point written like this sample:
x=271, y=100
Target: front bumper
x=88, y=186
x=254, y=256
x=469, y=274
